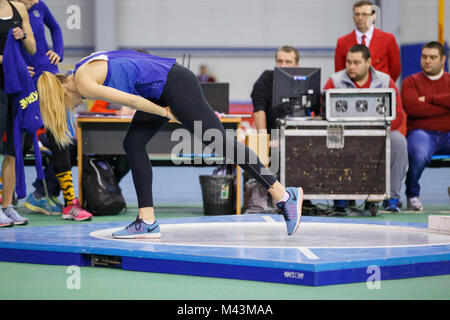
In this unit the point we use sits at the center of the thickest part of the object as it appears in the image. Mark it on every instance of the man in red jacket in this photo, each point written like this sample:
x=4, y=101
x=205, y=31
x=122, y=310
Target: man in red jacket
x=426, y=97
x=359, y=74
x=382, y=45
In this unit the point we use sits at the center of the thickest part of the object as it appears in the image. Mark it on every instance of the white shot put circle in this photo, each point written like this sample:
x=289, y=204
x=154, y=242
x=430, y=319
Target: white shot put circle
x=273, y=235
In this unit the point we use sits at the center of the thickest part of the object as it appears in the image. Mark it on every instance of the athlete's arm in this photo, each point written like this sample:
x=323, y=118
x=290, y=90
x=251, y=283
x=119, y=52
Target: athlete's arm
x=29, y=42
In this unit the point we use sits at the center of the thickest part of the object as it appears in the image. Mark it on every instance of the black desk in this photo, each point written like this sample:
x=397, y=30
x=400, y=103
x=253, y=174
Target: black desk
x=105, y=134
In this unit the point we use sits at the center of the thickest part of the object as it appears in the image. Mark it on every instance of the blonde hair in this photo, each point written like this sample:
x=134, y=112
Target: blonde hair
x=54, y=103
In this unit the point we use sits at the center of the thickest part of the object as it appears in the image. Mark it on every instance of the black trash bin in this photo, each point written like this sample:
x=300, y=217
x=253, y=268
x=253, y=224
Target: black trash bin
x=218, y=194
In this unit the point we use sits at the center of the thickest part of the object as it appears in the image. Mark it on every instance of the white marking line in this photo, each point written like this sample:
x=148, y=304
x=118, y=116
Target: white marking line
x=308, y=253
x=106, y=234
x=268, y=219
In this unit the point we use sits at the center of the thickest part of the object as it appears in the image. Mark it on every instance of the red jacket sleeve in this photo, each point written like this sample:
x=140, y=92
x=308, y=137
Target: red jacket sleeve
x=329, y=85
x=339, y=56
x=400, y=113
x=395, y=64
x=414, y=107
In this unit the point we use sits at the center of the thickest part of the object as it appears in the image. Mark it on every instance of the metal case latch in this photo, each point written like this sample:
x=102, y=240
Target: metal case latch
x=335, y=136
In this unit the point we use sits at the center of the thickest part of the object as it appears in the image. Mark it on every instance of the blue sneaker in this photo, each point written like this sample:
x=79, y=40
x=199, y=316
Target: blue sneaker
x=42, y=205
x=292, y=209
x=58, y=206
x=392, y=205
x=139, y=230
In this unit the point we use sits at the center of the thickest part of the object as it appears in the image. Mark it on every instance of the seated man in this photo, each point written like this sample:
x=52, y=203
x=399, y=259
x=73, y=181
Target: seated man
x=358, y=74
x=426, y=97
x=265, y=115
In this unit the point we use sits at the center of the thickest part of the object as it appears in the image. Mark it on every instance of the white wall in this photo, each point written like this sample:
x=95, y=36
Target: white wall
x=237, y=38
x=231, y=23
x=419, y=21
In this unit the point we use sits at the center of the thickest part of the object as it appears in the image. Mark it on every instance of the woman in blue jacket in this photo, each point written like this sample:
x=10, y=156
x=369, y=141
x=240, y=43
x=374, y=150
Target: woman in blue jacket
x=13, y=15
x=61, y=167
x=150, y=84
x=44, y=59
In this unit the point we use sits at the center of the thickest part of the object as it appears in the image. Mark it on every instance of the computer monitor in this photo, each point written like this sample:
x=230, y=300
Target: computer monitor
x=297, y=91
x=218, y=95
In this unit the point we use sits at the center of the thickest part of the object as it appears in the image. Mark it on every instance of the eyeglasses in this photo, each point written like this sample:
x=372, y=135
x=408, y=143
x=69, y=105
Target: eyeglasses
x=365, y=15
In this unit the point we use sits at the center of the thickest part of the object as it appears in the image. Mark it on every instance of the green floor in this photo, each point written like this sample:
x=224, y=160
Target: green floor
x=31, y=281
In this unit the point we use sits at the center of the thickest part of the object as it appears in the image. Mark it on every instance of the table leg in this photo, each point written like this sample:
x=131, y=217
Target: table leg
x=238, y=189
x=238, y=177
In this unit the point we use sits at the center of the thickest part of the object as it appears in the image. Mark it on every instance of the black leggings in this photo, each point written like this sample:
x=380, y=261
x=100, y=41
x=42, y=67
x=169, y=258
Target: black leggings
x=183, y=94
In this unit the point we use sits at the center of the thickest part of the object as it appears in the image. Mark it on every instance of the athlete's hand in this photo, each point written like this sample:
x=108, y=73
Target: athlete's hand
x=18, y=33
x=53, y=57
x=31, y=71
x=170, y=114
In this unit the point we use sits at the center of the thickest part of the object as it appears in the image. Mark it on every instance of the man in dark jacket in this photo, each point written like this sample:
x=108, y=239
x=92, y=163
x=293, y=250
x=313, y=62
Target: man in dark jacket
x=265, y=115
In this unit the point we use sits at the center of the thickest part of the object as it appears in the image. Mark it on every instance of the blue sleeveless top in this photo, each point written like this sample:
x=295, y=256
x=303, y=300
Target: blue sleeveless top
x=133, y=72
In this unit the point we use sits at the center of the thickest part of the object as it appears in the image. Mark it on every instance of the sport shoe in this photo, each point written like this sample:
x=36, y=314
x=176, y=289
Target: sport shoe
x=42, y=205
x=11, y=213
x=75, y=212
x=4, y=220
x=139, y=230
x=57, y=203
x=393, y=204
x=292, y=209
x=414, y=204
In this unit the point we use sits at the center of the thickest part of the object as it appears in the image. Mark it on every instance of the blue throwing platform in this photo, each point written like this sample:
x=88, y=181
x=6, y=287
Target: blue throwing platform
x=324, y=251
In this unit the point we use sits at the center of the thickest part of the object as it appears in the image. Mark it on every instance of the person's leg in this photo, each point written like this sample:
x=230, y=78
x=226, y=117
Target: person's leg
x=9, y=179
x=182, y=93
x=9, y=162
x=63, y=170
x=184, y=96
x=399, y=167
x=53, y=187
x=37, y=200
x=9, y=171
x=421, y=147
x=72, y=209
x=142, y=128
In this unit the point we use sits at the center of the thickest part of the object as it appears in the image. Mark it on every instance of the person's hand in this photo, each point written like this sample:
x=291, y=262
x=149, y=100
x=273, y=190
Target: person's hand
x=31, y=71
x=53, y=57
x=125, y=111
x=45, y=151
x=170, y=114
x=422, y=99
x=18, y=33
